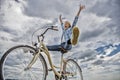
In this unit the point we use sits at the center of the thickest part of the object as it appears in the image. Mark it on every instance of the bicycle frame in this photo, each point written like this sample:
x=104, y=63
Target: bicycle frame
x=43, y=48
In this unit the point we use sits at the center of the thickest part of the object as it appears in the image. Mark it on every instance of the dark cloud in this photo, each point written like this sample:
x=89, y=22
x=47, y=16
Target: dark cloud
x=10, y=31
x=109, y=9
x=46, y=9
x=17, y=1
x=85, y=55
x=88, y=35
x=117, y=70
x=106, y=8
x=98, y=62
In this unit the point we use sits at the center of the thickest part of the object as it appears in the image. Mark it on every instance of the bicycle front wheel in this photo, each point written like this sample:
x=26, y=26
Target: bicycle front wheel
x=72, y=70
x=16, y=59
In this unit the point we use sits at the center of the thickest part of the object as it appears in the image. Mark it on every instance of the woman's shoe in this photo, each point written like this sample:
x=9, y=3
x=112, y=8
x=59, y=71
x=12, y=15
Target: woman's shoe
x=75, y=35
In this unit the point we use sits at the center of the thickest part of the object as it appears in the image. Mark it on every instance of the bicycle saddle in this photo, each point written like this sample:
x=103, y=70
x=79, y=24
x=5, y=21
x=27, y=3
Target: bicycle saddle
x=63, y=50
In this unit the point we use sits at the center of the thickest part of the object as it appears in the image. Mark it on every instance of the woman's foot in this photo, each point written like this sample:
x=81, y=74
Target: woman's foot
x=75, y=35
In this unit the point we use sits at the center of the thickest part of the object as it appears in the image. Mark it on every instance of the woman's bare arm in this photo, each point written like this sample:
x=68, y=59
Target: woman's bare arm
x=60, y=18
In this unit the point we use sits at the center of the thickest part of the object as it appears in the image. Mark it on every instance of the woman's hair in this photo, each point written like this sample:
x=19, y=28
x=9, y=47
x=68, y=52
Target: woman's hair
x=68, y=23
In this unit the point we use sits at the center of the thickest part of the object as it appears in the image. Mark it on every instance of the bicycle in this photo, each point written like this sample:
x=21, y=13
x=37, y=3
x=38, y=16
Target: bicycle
x=24, y=62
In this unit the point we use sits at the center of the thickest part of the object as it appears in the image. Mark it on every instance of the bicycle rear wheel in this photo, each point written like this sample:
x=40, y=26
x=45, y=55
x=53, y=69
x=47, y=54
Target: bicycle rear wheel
x=16, y=59
x=72, y=70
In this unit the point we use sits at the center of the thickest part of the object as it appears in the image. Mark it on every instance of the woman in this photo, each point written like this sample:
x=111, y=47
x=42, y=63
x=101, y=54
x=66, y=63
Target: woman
x=68, y=30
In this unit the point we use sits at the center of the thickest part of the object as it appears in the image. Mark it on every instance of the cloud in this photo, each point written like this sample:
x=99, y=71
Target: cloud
x=91, y=21
x=86, y=36
x=45, y=9
x=112, y=11
x=98, y=23
x=98, y=62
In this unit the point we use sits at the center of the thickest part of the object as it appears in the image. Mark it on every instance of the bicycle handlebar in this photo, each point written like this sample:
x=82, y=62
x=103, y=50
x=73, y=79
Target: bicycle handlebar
x=52, y=28
x=42, y=35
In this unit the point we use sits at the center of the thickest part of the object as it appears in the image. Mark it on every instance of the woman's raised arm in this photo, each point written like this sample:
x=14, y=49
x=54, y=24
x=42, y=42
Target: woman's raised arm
x=81, y=8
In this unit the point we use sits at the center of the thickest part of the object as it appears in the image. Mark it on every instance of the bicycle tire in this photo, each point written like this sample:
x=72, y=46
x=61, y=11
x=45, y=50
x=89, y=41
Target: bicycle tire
x=72, y=67
x=10, y=70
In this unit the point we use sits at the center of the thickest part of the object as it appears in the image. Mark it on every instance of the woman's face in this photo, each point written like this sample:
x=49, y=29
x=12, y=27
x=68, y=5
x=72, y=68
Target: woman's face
x=67, y=25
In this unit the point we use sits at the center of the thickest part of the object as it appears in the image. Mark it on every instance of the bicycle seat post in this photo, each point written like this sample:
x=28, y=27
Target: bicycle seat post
x=61, y=64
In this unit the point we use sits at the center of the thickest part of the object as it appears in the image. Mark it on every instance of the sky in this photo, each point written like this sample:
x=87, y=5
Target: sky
x=98, y=49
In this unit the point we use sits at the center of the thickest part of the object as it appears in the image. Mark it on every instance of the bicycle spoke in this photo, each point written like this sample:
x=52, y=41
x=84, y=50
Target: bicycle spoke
x=34, y=75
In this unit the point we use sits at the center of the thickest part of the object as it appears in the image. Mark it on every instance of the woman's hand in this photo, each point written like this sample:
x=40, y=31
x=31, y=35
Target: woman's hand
x=82, y=7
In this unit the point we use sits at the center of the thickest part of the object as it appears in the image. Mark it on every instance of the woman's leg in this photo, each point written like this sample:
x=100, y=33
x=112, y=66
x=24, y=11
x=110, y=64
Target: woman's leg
x=58, y=47
x=68, y=47
x=54, y=47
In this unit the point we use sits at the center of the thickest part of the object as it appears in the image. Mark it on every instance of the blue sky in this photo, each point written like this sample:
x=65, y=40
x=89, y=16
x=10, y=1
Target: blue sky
x=98, y=50
x=115, y=51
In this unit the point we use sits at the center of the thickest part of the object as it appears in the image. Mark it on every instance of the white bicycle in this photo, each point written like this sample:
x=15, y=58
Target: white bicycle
x=24, y=62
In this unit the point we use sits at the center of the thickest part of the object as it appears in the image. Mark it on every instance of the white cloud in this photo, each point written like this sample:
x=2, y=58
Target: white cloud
x=13, y=16
x=108, y=51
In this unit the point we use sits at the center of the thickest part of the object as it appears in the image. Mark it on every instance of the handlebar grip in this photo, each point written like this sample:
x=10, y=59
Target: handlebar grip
x=55, y=29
